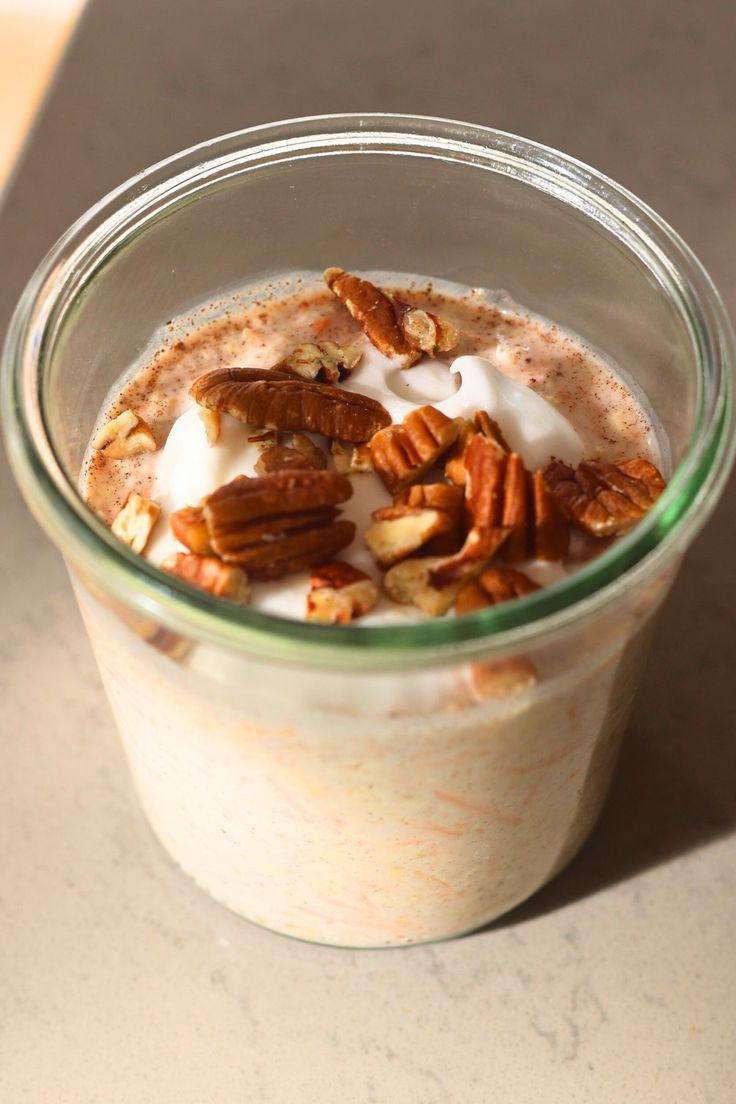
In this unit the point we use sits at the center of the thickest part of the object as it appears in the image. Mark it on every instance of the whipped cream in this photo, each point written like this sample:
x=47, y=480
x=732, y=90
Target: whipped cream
x=189, y=468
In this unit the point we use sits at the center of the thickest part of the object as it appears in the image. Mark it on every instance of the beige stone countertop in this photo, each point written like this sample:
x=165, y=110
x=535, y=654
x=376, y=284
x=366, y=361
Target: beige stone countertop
x=120, y=983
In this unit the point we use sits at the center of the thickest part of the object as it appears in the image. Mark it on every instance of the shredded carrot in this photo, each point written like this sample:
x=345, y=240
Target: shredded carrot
x=485, y=810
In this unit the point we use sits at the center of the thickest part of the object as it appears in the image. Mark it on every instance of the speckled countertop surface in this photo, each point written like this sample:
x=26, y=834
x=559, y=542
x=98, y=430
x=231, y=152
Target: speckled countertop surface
x=119, y=981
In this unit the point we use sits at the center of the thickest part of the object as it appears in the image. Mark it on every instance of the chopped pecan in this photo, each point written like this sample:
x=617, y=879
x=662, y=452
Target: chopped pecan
x=424, y=330
x=484, y=487
x=503, y=678
x=480, y=544
x=432, y=496
x=550, y=536
x=501, y=584
x=409, y=582
x=502, y=494
x=339, y=593
x=324, y=361
x=280, y=458
x=134, y=523
x=190, y=528
x=419, y=515
x=211, y=420
x=490, y=428
x=471, y=597
x=516, y=509
x=482, y=424
x=264, y=438
x=306, y=446
x=279, y=523
x=279, y=400
x=374, y=312
x=351, y=459
x=403, y=453
x=400, y=530
x=210, y=574
x=604, y=499
x=124, y=436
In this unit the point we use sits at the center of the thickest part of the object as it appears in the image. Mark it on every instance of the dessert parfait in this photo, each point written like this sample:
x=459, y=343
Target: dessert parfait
x=372, y=451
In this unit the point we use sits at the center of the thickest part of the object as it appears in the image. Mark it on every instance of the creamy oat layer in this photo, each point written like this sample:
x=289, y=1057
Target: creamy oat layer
x=407, y=451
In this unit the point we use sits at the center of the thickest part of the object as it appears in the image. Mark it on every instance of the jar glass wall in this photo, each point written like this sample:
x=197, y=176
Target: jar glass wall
x=370, y=786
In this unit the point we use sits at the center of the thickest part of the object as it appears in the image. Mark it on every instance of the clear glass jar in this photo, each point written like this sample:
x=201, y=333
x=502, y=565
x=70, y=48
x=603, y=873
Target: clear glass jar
x=370, y=786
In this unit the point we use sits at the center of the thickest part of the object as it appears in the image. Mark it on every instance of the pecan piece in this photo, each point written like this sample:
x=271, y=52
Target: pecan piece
x=603, y=499
x=501, y=584
x=516, y=509
x=324, y=361
x=400, y=530
x=484, y=487
x=503, y=678
x=482, y=424
x=503, y=494
x=409, y=582
x=374, y=312
x=211, y=420
x=279, y=400
x=306, y=446
x=210, y=574
x=134, y=523
x=350, y=460
x=424, y=330
x=339, y=593
x=418, y=516
x=403, y=453
x=281, y=458
x=124, y=436
x=282, y=522
x=550, y=536
x=190, y=528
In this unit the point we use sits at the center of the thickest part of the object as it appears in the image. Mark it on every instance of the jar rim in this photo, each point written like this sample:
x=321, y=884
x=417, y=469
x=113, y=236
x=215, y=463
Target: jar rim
x=86, y=541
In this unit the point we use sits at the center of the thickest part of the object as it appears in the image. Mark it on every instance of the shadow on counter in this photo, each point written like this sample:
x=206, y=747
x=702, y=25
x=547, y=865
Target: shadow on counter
x=674, y=787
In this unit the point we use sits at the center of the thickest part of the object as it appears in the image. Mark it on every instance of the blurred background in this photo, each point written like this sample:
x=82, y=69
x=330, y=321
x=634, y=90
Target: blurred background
x=33, y=34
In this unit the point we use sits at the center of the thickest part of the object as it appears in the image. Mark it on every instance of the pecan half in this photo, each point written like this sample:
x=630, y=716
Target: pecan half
x=124, y=436
x=396, y=328
x=281, y=458
x=374, y=312
x=210, y=574
x=279, y=400
x=403, y=453
x=339, y=593
x=603, y=499
x=279, y=523
x=134, y=523
x=409, y=583
x=324, y=361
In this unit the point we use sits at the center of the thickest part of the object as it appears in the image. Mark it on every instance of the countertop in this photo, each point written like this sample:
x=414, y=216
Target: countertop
x=119, y=981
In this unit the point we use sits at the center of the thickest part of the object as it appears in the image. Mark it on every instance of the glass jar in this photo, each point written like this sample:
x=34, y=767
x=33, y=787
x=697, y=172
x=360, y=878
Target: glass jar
x=370, y=786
